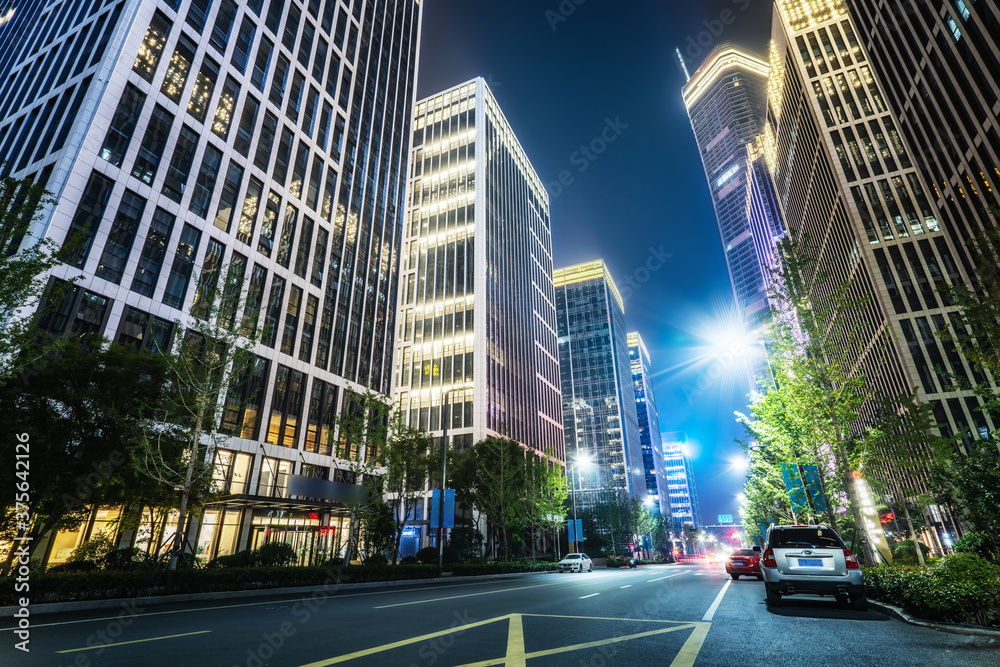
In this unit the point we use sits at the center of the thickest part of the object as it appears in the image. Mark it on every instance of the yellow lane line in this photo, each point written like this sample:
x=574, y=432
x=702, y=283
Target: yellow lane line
x=578, y=647
x=606, y=618
x=689, y=652
x=134, y=641
x=405, y=642
x=515, y=643
x=468, y=595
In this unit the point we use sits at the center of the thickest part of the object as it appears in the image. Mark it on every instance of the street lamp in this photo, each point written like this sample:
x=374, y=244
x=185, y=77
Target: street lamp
x=577, y=461
x=446, y=415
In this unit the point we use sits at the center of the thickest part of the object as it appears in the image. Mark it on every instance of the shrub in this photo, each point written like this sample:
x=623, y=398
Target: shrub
x=246, y=558
x=409, y=560
x=975, y=543
x=376, y=560
x=960, y=588
x=905, y=554
x=365, y=573
x=475, y=570
x=275, y=554
x=73, y=566
x=429, y=555
x=615, y=562
x=127, y=559
x=95, y=550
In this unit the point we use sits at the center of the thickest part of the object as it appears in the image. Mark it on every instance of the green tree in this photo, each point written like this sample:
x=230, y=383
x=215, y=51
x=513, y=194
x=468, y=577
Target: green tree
x=81, y=414
x=545, y=494
x=491, y=476
x=23, y=263
x=212, y=353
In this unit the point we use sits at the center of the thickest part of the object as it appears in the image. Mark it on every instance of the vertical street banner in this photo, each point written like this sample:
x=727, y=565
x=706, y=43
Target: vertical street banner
x=575, y=530
x=793, y=484
x=815, y=487
x=449, y=508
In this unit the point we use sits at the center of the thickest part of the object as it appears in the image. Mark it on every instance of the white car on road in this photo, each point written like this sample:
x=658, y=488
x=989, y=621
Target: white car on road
x=576, y=563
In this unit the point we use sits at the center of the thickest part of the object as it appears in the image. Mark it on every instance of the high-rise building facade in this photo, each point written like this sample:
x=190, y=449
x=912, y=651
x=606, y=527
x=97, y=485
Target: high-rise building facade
x=477, y=318
x=596, y=382
x=268, y=136
x=843, y=173
x=939, y=66
x=726, y=101
x=648, y=419
x=684, y=507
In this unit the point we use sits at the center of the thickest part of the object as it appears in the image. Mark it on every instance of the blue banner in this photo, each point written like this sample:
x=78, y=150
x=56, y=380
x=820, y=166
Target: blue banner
x=575, y=528
x=449, y=508
x=815, y=487
x=793, y=484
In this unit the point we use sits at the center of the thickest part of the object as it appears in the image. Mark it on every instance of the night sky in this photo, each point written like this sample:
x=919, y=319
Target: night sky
x=563, y=71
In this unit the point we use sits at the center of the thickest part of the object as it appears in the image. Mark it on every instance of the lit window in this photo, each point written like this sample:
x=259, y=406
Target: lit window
x=224, y=111
x=177, y=71
x=203, y=87
x=955, y=32
x=152, y=47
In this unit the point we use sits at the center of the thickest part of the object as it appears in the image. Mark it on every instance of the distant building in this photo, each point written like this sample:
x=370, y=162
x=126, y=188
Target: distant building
x=649, y=427
x=726, y=100
x=596, y=383
x=684, y=508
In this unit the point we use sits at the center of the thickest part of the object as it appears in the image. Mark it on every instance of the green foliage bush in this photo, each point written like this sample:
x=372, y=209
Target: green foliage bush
x=976, y=543
x=616, y=562
x=273, y=554
x=100, y=585
x=376, y=560
x=960, y=588
x=475, y=570
x=904, y=552
x=74, y=566
x=409, y=560
x=429, y=555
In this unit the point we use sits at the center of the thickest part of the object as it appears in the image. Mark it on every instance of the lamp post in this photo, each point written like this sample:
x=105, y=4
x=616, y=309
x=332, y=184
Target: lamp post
x=446, y=417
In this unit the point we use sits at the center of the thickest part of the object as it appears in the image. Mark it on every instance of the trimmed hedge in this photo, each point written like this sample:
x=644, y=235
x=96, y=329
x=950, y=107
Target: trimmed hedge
x=960, y=588
x=104, y=585
x=475, y=570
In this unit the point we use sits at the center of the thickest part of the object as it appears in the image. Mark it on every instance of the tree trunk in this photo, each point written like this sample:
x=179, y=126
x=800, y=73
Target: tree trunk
x=195, y=447
x=848, y=478
x=913, y=534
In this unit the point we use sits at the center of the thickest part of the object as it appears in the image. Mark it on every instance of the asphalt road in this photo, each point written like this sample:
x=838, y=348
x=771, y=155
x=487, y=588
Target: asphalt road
x=678, y=615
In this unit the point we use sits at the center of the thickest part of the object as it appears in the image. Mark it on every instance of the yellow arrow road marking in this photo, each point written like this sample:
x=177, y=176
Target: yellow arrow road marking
x=134, y=641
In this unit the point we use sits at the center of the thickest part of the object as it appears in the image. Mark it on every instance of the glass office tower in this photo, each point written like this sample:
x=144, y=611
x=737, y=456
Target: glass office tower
x=844, y=173
x=596, y=384
x=267, y=136
x=477, y=318
x=648, y=419
x=684, y=508
x=940, y=66
x=726, y=102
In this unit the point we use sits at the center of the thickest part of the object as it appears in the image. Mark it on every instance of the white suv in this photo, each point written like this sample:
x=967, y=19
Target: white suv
x=811, y=560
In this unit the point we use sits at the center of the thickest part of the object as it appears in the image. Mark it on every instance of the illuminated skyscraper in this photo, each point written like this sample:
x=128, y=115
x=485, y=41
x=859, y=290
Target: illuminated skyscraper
x=844, y=173
x=476, y=313
x=941, y=71
x=597, y=382
x=269, y=136
x=648, y=419
x=726, y=102
x=684, y=507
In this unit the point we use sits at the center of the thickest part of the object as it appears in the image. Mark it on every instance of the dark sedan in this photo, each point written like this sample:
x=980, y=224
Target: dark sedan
x=743, y=561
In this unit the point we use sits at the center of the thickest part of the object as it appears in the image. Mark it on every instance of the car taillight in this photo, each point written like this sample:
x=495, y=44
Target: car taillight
x=852, y=560
x=768, y=557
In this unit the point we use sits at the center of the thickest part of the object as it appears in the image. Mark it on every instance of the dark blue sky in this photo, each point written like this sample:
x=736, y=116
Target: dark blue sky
x=561, y=78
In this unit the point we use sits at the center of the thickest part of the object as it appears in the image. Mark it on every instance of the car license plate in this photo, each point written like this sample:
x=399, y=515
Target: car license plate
x=738, y=563
x=810, y=562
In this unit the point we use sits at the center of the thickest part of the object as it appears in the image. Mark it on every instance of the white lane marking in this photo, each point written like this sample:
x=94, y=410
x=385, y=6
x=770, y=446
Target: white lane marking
x=626, y=586
x=584, y=597
x=126, y=603
x=718, y=600
x=666, y=577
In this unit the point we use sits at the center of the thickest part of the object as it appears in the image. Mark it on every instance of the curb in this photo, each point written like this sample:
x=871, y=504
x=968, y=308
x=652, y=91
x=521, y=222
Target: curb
x=958, y=629
x=90, y=605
